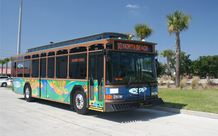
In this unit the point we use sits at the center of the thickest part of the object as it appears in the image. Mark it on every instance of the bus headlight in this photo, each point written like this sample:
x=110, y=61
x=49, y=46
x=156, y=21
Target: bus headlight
x=154, y=93
x=118, y=96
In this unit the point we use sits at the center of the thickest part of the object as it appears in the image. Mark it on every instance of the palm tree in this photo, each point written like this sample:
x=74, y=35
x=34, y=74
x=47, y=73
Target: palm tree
x=143, y=31
x=6, y=61
x=177, y=23
x=2, y=62
x=168, y=54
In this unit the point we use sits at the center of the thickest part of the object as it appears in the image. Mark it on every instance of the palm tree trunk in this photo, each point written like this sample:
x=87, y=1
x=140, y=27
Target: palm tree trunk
x=177, y=59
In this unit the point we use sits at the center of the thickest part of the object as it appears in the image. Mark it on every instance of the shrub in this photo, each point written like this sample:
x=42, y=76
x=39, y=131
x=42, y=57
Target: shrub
x=205, y=83
x=183, y=82
x=161, y=81
x=173, y=78
x=194, y=82
x=168, y=84
x=164, y=77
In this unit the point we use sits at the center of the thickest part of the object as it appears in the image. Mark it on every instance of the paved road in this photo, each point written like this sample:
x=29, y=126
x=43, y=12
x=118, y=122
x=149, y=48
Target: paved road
x=20, y=118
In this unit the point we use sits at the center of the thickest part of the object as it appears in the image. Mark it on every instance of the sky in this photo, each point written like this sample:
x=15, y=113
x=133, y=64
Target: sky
x=45, y=21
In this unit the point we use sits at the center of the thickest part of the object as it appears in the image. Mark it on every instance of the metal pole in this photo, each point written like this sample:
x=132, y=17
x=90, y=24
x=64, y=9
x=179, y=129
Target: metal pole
x=19, y=29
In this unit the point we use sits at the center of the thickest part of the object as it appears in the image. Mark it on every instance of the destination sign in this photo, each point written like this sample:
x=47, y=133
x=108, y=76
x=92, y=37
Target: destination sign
x=133, y=47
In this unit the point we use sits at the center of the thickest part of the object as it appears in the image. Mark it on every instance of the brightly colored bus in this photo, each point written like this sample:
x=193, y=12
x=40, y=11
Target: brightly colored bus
x=102, y=72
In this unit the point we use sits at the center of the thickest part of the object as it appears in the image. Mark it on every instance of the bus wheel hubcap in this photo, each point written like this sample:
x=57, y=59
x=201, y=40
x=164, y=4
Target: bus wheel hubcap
x=79, y=101
x=27, y=93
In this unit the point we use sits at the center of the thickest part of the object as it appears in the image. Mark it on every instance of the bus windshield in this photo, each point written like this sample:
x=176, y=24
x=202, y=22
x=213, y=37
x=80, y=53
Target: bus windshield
x=131, y=68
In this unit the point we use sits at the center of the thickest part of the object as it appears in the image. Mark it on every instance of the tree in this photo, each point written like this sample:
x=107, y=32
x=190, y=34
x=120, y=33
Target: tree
x=205, y=65
x=6, y=61
x=161, y=68
x=143, y=31
x=130, y=36
x=168, y=54
x=176, y=23
x=2, y=62
x=185, y=63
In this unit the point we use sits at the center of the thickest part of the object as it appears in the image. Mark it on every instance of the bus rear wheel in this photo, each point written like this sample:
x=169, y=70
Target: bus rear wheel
x=79, y=102
x=28, y=93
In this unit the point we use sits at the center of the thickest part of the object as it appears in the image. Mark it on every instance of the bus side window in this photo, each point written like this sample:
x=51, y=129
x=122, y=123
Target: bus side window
x=78, y=66
x=35, y=68
x=50, y=67
x=61, y=67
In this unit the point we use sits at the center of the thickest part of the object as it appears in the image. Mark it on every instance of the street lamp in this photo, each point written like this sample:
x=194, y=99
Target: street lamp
x=19, y=29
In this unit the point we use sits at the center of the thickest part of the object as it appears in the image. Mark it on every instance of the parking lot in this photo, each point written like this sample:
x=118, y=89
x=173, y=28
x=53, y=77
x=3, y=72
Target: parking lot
x=18, y=117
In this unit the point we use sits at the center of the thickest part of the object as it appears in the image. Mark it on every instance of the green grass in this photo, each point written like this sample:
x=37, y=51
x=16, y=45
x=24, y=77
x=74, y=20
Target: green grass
x=190, y=99
x=9, y=87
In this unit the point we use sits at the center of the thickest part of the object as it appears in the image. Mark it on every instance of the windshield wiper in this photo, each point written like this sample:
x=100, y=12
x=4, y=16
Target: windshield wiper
x=129, y=82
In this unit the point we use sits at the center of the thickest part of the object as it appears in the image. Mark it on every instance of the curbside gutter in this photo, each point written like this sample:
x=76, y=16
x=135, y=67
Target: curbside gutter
x=188, y=112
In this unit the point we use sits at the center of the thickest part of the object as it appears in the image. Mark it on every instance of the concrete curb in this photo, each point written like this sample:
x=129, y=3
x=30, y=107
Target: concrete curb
x=188, y=112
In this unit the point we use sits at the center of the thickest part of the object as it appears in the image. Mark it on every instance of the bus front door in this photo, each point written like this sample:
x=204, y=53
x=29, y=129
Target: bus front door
x=96, y=90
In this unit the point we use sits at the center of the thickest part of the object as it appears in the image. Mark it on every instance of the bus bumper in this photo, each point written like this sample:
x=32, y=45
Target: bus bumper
x=122, y=106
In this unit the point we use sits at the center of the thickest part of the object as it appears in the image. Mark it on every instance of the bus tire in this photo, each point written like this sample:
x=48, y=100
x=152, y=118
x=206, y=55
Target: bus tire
x=28, y=93
x=79, y=102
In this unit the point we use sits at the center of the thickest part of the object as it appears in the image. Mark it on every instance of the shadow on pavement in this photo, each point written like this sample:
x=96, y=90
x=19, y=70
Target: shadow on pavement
x=136, y=115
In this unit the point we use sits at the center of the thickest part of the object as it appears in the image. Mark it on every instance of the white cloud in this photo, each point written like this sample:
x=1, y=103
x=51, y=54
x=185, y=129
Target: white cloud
x=146, y=7
x=132, y=6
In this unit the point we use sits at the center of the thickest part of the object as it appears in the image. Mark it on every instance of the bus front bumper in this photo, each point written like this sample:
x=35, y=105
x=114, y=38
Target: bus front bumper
x=129, y=105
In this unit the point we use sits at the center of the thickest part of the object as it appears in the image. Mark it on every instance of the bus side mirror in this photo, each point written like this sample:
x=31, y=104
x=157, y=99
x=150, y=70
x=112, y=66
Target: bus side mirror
x=156, y=62
x=109, y=56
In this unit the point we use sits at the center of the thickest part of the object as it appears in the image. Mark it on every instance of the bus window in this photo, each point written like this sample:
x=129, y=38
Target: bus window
x=62, y=52
x=78, y=49
x=43, y=67
x=43, y=55
x=50, y=67
x=98, y=37
x=14, y=69
x=35, y=68
x=27, y=68
x=61, y=67
x=51, y=53
x=78, y=66
x=96, y=47
x=20, y=69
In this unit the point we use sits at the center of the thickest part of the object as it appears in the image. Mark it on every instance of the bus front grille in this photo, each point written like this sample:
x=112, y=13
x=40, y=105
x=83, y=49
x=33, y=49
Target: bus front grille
x=126, y=106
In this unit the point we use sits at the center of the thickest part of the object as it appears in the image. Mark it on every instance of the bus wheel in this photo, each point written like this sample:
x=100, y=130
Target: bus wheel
x=79, y=102
x=28, y=93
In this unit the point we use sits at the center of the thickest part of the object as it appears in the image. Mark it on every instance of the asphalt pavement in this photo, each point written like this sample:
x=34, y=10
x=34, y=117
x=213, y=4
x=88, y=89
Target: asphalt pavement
x=18, y=117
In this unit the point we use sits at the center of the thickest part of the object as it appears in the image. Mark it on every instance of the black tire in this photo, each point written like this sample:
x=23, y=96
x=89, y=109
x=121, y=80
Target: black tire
x=28, y=93
x=4, y=84
x=79, y=102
